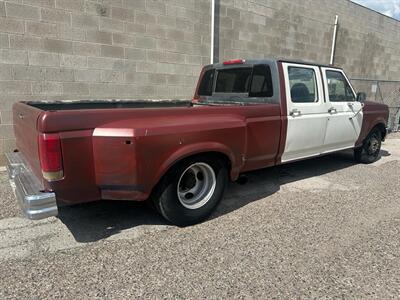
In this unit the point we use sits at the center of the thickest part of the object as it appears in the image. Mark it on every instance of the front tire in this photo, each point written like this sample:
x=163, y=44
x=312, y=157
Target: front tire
x=370, y=149
x=191, y=190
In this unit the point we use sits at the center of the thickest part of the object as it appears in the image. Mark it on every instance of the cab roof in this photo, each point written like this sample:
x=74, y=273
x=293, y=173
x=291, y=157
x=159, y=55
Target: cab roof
x=268, y=61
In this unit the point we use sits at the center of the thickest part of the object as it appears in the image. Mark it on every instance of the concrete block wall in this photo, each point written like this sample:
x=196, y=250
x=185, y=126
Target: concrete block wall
x=81, y=49
x=368, y=43
x=147, y=49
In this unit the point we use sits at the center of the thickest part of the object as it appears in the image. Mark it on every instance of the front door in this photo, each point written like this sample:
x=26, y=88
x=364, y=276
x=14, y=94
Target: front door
x=307, y=112
x=345, y=113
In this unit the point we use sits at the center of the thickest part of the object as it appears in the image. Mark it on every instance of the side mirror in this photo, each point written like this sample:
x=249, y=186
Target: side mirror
x=361, y=97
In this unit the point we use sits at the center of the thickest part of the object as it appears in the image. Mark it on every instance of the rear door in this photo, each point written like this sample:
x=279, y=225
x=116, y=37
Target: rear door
x=345, y=113
x=307, y=111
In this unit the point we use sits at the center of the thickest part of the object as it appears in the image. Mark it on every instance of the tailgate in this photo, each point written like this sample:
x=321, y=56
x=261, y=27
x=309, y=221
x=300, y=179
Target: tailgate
x=25, y=129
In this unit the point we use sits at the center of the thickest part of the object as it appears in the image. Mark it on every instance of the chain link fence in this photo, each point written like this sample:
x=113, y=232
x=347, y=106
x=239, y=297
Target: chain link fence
x=382, y=91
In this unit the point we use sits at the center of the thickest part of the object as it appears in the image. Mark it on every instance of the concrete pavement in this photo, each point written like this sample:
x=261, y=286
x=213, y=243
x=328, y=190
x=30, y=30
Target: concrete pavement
x=322, y=228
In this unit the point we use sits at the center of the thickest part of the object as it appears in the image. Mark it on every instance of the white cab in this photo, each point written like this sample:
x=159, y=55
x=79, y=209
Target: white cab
x=322, y=111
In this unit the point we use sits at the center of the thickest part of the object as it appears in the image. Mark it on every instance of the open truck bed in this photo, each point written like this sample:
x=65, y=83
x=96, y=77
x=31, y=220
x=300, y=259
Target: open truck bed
x=105, y=104
x=33, y=117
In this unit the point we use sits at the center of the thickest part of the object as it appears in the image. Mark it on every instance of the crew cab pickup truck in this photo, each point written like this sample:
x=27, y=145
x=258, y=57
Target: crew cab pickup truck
x=245, y=115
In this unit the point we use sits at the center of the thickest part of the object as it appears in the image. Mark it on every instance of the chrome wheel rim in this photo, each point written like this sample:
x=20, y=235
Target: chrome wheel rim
x=196, y=185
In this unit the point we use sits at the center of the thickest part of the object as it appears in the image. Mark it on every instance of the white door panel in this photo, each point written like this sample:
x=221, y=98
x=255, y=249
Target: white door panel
x=305, y=136
x=306, y=120
x=341, y=132
x=344, y=120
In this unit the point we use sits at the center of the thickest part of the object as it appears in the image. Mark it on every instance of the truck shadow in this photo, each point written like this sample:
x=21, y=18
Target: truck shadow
x=96, y=221
x=90, y=222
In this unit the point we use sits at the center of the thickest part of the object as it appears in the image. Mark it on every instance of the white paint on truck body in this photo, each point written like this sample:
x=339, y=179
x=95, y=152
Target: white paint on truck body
x=316, y=123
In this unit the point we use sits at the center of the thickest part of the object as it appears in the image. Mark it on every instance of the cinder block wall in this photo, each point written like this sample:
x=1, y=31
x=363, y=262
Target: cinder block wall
x=79, y=49
x=135, y=49
x=368, y=43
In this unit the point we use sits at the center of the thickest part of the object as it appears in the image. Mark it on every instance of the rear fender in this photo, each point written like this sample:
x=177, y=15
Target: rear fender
x=199, y=148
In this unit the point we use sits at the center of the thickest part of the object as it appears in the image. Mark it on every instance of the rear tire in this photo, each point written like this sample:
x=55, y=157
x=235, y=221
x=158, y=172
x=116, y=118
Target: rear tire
x=370, y=149
x=191, y=190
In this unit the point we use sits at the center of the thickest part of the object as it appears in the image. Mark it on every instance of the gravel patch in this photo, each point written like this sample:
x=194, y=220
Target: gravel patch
x=8, y=205
x=322, y=228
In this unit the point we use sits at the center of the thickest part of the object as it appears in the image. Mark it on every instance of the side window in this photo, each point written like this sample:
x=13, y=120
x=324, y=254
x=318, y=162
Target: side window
x=303, y=85
x=339, y=88
x=261, y=83
x=205, y=88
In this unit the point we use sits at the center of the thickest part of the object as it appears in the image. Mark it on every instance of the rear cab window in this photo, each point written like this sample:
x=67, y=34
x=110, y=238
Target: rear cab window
x=233, y=81
x=238, y=83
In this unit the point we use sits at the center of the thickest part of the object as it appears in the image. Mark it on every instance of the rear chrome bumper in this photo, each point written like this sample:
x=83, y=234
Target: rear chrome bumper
x=35, y=204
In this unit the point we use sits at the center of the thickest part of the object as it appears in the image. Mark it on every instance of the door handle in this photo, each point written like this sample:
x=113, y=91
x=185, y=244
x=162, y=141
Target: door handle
x=295, y=113
x=332, y=111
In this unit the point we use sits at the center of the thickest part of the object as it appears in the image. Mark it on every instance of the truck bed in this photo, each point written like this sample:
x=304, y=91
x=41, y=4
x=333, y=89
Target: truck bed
x=31, y=117
x=106, y=104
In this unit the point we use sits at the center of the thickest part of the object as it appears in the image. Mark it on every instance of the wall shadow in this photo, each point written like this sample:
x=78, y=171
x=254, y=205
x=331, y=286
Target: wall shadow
x=95, y=221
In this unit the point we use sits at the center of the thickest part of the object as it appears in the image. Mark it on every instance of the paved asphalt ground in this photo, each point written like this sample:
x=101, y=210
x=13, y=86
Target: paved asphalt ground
x=322, y=228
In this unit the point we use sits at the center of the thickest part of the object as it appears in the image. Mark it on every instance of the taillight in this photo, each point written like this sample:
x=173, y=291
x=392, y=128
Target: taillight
x=50, y=156
x=234, y=62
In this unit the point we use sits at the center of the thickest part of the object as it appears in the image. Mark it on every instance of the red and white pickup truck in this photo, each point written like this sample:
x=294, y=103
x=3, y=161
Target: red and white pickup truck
x=245, y=115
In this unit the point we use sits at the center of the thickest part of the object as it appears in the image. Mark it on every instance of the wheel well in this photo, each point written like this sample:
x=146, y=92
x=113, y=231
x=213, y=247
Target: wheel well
x=214, y=154
x=217, y=155
x=382, y=129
